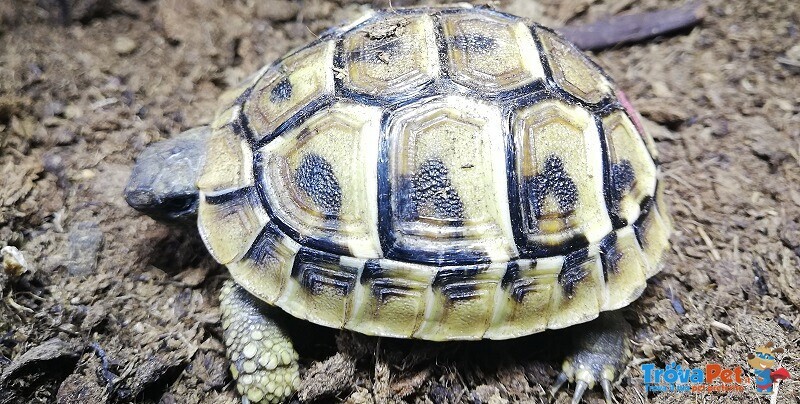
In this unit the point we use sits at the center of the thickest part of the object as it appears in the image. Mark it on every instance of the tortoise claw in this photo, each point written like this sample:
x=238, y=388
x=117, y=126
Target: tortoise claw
x=560, y=380
x=606, y=384
x=580, y=388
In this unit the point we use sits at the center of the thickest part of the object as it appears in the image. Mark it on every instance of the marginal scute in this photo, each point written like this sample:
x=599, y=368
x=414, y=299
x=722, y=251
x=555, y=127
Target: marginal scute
x=572, y=70
x=266, y=266
x=320, y=288
x=653, y=235
x=633, y=173
x=661, y=205
x=283, y=91
x=235, y=96
x=581, y=292
x=229, y=221
x=391, y=298
x=523, y=306
x=228, y=162
x=319, y=178
x=560, y=176
x=490, y=53
x=393, y=57
x=462, y=302
x=624, y=265
x=452, y=147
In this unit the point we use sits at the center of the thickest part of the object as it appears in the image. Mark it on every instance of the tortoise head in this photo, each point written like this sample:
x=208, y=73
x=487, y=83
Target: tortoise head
x=163, y=182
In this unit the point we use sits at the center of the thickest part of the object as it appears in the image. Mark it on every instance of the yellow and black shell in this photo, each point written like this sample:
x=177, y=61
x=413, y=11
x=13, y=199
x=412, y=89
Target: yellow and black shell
x=437, y=173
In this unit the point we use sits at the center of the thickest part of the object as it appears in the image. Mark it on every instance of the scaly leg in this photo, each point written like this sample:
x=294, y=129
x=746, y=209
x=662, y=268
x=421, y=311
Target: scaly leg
x=263, y=360
x=600, y=351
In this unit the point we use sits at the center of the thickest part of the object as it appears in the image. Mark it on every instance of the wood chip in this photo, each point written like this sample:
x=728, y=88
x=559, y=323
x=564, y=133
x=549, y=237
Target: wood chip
x=616, y=30
x=722, y=327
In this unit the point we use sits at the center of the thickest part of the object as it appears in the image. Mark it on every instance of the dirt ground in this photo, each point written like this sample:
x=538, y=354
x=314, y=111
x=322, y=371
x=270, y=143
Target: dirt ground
x=118, y=308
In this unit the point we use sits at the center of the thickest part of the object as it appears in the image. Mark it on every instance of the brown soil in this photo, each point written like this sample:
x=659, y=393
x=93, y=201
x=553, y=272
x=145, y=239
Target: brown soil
x=118, y=308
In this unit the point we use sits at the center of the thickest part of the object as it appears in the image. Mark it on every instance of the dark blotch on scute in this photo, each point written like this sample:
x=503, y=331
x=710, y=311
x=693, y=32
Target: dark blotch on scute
x=382, y=285
x=231, y=203
x=316, y=269
x=316, y=178
x=474, y=43
x=458, y=283
x=516, y=286
x=573, y=271
x=263, y=249
x=643, y=222
x=553, y=180
x=282, y=91
x=511, y=275
x=622, y=178
x=609, y=254
x=372, y=270
x=432, y=194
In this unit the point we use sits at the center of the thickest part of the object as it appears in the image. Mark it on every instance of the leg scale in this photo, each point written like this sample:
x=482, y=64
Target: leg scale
x=263, y=360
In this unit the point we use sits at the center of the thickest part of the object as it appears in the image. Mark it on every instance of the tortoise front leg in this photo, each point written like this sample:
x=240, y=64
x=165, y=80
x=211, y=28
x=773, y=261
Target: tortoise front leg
x=263, y=360
x=600, y=351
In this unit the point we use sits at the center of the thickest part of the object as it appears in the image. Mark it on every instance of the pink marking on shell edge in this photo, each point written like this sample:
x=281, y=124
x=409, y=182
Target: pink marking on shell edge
x=623, y=99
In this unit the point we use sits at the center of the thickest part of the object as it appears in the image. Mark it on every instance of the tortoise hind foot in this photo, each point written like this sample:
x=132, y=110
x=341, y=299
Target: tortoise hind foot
x=263, y=360
x=600, y=351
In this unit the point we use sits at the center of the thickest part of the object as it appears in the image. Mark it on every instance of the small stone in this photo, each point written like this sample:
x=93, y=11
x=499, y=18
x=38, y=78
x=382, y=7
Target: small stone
x=14, y=263
x=84, y=243
x=86, y=174
x=73, y=111
x=124, y=45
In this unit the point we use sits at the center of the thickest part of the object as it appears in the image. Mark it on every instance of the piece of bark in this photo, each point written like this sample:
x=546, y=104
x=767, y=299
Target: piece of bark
x=622, y=29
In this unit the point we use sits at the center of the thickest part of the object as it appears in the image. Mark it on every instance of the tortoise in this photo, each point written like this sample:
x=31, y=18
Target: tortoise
x=439, y=173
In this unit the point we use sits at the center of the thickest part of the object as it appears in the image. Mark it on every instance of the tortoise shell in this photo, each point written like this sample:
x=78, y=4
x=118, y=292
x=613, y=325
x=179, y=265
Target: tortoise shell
x=436, y=173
